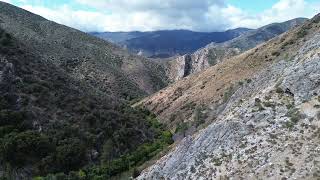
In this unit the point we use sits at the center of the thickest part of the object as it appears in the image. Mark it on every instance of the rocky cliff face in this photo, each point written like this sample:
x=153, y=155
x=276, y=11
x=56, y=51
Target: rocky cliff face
x=268, y=129
x=217, y=52
x=189, y=64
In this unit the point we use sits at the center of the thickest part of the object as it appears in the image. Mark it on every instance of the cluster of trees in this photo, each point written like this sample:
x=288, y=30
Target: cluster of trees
x=63, y=150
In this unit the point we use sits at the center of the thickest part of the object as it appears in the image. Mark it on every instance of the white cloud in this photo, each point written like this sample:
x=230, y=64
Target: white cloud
x=201, y=15
x=83, y=20
x=283, y=10
x=159, y=14
x=7, y=1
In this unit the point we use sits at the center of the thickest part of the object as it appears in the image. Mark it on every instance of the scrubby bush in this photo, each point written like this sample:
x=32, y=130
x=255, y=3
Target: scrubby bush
x=279, y=90
x=275, y=53
x=228, y=93
x=302, y=33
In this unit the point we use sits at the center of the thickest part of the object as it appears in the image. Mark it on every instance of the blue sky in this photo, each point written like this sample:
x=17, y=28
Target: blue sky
x=146, y=15
x=253, y=6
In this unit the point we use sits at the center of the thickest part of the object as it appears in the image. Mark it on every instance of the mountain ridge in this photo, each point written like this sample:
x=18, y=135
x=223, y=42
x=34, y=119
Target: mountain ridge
x=83, y=55
x=155, y=44
x=214, y=53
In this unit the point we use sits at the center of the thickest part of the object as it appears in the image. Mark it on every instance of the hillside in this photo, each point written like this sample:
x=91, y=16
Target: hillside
x=164, y=44
x=58, y=117
x=209, y=90
x=216, y=52
x=85, y=57
x=262, y=108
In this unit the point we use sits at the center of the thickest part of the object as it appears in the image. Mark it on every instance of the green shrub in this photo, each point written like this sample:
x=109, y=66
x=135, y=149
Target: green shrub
x=257, y=103
x=27, y=147
x=248, y=80
x=70, y=155
x=240, y=83
x=228, y=93
x=294, y=115
x=9, y=117
x=269, y=104
x=3, y=103
x=275, y=53
x=279, y=90
x=6, y=130
x=199, y=117
x=182, y=127
x=302, y=33
x=6, y=40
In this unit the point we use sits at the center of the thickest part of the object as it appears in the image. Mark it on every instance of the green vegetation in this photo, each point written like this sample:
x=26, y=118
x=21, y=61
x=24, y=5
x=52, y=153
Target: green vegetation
x=294, y=116
x=228, y=93
x=182, y=128
x=287, y=43
x=279, y=90
x=189, y=106
x=275, y=53
x=6, y=43
x=64, y=149
x=5, y=39
x=302, y=33
x=270, y=104
x=213, y=54
x=109, y=168
x=248, y=81
x=54, y=124
x=258, y=104
x=18, y=149
x=217, y=161
x=199, y=116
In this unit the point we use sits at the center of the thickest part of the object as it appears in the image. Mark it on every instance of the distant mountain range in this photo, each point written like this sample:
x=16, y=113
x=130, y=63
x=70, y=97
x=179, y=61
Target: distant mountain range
x=214, y=53
x=163, y=44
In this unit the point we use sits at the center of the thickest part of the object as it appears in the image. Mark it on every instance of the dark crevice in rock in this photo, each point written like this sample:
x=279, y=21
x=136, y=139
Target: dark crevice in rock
x=187, y=65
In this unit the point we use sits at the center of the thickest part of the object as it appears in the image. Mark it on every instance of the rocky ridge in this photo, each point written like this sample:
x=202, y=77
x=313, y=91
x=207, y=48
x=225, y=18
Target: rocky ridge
x=266, y=129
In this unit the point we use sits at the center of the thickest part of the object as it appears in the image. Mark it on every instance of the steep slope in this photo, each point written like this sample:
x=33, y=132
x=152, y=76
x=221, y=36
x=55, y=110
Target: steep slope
x=62, y=106
x=85, y=57
x=164, y=44
x=217, y=52
x=210, y=89
x=52, y=122
x=267, y=128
